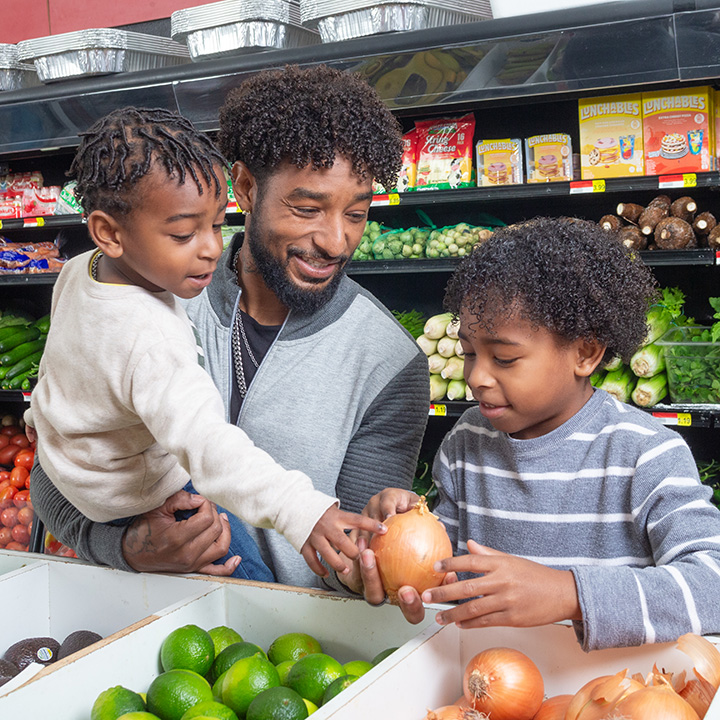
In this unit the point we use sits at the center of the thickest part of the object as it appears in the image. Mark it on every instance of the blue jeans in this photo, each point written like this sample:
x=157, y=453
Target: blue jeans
x=251, y=566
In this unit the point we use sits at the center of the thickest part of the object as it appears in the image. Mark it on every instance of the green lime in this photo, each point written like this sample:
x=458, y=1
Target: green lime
x=382, y=655
x=230, y=655
x=337, y=686
x=245, y=679
x=174, y=692
x=217, y=688
x=138, y=715
x=188, y=648
x=310, y=675
x=292, y=646
x=222, y=636
x=210, y=709
x=357, y=667
x=110, y=704
x=277, y=703
x=311, y=706
x=283, y=669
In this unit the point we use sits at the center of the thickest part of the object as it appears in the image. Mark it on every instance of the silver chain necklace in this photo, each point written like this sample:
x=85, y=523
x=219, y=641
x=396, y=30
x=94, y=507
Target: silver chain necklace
x=238, y=334
x=94, y=265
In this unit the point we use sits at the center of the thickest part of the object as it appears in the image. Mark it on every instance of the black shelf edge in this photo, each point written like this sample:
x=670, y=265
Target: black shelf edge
x=14, y=396
x=42, y=222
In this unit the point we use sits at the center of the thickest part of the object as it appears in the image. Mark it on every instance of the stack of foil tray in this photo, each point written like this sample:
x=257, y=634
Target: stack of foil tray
x=15, y=75
x=98, y=52
x=233, y=27
x=344, y=19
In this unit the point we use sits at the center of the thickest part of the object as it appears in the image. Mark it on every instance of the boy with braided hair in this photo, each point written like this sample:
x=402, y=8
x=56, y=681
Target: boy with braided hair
x=124, y=412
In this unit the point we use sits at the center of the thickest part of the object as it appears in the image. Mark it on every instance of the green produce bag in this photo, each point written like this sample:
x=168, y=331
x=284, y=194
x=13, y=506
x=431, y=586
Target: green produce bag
x=372, y=232
x=401, y=244
x=455, y=240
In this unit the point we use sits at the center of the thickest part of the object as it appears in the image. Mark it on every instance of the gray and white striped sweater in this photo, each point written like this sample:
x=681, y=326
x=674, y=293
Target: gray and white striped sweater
x=613, y=496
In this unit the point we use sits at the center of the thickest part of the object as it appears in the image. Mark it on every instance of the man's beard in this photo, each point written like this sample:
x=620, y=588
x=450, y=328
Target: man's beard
x=274, y=272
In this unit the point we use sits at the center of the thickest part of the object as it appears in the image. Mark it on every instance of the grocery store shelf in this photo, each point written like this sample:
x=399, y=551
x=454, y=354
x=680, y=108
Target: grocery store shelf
x=46, y=221
x=28, y=279
x=14, y=396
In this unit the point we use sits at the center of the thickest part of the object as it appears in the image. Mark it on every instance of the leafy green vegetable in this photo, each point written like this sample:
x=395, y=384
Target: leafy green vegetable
x=710, y=475
x=693, y=365
x=412, y=320
x=715, y=329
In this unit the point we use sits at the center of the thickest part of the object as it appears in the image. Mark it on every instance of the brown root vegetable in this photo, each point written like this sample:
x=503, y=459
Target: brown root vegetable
x=704, y=223
x=713, y=238
x=610, y=222
x=684, y=208
x=630, y=211
x=662, y=201
x=631, y=237
x=672, y=233
x=650, y=217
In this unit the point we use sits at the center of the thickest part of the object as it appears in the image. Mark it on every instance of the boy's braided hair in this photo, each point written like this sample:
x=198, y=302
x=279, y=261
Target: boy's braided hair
x=307, y=116
x=566, y=275
x=122, y=147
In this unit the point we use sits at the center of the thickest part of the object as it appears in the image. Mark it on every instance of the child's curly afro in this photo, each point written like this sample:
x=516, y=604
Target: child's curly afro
x=567, y=275
x=307, y=116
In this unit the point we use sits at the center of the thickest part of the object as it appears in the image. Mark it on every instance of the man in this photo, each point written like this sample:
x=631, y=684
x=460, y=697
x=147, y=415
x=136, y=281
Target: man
x=311, y=366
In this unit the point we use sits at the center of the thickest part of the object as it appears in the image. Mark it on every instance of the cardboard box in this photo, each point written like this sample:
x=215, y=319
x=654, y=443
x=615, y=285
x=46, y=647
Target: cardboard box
x=678, y=131
x=499, y=162
x=548, y=158
x=611, y=136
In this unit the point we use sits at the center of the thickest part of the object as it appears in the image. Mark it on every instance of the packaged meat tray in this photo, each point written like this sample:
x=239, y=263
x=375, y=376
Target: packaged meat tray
x=99, y=52
x=232, y=27
x=338, y=20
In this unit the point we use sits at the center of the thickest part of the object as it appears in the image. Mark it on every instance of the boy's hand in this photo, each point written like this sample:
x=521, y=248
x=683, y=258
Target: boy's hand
x=328, y=538
x=512, y=591
x=388, y=502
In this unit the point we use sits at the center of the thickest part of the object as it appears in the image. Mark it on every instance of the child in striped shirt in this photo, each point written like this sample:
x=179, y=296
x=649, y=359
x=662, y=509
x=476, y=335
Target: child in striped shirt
x=561, y=502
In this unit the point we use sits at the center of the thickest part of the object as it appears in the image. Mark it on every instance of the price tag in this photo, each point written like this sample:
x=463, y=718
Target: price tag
x=0, y=224
x=232, y=206
x=26, y=396
x=393, y=199
x=33, y=222
x=681, y=419
x=438, y=410
x=717, y=255
x=688, y=180
x=587, y=186
x=381, y=200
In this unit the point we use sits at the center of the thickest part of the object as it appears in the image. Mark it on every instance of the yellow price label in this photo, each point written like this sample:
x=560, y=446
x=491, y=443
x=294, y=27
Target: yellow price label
x=598, y=186
x=393, y=199
x=438, y=410
x=684, y=419
x=0, y=224
x=690, y=180
x=40, y=221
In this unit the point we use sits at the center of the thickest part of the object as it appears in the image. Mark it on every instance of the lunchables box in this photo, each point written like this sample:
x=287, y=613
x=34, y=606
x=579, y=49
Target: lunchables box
x=499, y=162
x=611, y=136
x=678, y=131
x=548, y=158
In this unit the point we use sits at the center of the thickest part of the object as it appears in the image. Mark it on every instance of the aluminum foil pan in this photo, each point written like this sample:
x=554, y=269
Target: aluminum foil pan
x=98, y=52
x=388, y=18
x=15, y=75
x=313, y=10
x=226, y=12
x=245, y=37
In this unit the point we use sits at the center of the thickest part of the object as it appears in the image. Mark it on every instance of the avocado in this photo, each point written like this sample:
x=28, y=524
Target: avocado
x=41, y=650
x=7, y=669
x=77, y=641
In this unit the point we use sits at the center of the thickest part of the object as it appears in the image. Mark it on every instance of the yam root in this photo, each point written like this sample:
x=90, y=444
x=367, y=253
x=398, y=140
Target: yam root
x=662, y=201
x=672, y=233
x=650, y=217
x=713, y=238
x=610, y=222
x=631, y=237
x=684, y=208
x=630, y=211
x=704, y=223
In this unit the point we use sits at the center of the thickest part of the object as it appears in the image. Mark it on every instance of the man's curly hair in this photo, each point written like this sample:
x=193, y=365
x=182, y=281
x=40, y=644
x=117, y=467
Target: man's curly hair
x=568, y=276
x=307, y=116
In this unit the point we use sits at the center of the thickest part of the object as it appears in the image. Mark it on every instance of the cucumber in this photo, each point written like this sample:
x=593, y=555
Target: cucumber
x=22, y=351
x=23, y=365
x=43, y=324
x=24, y=335
x=3, y=372
x=17, y=381
x=9, y=330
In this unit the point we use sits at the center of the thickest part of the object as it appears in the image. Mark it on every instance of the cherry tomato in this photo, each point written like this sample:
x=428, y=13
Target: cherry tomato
x=16, y=546
x=21, y=498
x=20, y=440
x=5, y=536
x=4, y=474
x=21, y=534
x=10, y=430
x=25, y=516
x=8, y=453
x=8, y=517
x=5, y=484
x=18, y=476
x=4, y=440
x=6, y=497
x=24, y=458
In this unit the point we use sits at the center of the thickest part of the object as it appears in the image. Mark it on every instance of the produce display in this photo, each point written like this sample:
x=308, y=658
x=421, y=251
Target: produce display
x=217, y=674
x=440, y=343
x=505, y=684
x=22, y=340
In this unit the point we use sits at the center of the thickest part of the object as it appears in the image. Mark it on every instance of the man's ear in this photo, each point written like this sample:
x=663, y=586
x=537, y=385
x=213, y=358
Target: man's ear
x=589, y=356
x=244, y=186
x=105, y=233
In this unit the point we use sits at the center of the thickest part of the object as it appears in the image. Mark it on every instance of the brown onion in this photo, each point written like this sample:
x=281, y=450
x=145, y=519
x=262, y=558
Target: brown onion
x=659, y=702
x=553, y=708
x=504, y=684
x=596, y=699
x=415, y=540
x=453, y=712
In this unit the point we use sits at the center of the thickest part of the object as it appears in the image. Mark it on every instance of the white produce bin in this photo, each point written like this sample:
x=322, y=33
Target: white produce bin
x=11, y=561
x=427, y=672
x=347, y=628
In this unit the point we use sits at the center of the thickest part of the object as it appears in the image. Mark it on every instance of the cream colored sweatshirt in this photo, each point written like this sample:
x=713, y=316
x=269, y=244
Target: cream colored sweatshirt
x=125, y=414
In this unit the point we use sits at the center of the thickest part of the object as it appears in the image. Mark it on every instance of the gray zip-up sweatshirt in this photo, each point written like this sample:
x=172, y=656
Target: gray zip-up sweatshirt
x=342, y=395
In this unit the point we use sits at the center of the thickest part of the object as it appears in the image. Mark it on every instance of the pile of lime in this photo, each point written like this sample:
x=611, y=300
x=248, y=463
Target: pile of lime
x=216, y=674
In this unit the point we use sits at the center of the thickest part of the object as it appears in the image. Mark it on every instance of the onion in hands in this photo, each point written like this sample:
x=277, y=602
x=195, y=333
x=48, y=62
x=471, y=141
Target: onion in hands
x=504, y=684
x=406, y=553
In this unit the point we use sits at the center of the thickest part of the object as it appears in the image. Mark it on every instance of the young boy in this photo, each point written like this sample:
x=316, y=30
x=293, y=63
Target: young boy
x=562, y=503
x=124, y=412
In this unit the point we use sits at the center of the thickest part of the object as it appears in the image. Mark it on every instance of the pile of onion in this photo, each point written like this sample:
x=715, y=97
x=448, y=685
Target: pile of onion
x=415, y=540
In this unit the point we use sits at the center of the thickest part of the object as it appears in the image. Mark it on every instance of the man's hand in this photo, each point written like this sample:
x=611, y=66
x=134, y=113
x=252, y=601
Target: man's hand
x=508, y=591
x=329, y=540
x=157, y=542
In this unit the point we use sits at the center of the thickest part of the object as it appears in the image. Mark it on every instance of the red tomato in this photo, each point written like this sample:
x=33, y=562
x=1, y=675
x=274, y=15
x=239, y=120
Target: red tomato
x=20, y=440
x=18, y=476
x=16, y=546
x=21, y=534
x=8, y=453
x=21, y=498
x=25, y=516
x=5, y=536
x=5, y=484
x=27, y=482
x=8, y=517
x=4, y=440
x=6, y=497
x=24, y=458
x=4, y=474
x=10, y=430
